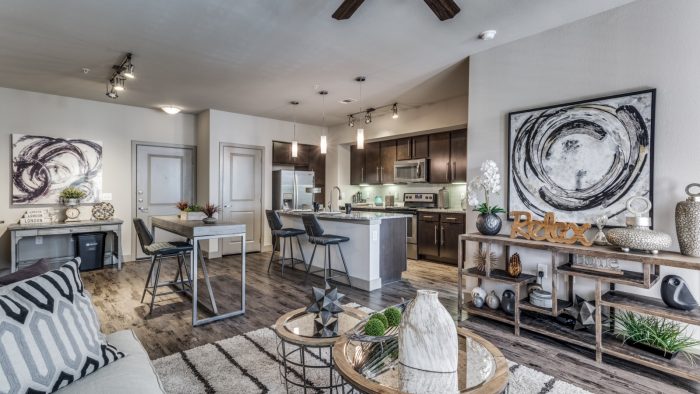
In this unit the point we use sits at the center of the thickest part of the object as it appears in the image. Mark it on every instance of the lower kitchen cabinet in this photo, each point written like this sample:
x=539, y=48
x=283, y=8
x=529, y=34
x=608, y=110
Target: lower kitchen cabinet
x=428, y=235
x=438, y=235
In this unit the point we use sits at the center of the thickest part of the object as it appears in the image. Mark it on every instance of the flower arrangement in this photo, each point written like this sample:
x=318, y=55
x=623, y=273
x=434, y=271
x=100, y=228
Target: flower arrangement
x=184, y=206
x=490, y=183
x=209, y=209
x=72, y=193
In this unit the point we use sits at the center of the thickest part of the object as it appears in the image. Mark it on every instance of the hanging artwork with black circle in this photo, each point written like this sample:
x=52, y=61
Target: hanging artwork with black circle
x=582, y=159
x=43, y=166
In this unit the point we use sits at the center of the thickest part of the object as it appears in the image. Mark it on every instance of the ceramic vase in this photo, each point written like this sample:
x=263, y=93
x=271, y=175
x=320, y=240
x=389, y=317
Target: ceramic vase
x=514, y=267
x=688, y=223
x=492, y=300
x=428, y=347
x=488, y=223
x=508, y=302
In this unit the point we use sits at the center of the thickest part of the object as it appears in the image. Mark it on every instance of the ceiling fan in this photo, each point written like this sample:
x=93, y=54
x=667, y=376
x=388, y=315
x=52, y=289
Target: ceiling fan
x=443, y=9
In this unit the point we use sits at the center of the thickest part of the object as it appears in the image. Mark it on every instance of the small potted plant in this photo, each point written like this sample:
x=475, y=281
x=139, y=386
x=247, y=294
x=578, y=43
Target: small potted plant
x=488, y=222
x=71, y=196
x=189, y=211
x=663, y=337
x=209, y=210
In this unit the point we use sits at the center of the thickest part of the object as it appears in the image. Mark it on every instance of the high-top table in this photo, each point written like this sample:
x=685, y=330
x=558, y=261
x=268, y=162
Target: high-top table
x=196, y=230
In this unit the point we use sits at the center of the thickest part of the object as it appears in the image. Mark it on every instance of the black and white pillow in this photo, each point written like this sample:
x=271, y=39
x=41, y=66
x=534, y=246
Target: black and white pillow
x=49, y=333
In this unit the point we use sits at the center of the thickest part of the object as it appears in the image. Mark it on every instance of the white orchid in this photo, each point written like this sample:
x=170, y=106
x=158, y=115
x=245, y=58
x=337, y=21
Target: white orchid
x=490, y=183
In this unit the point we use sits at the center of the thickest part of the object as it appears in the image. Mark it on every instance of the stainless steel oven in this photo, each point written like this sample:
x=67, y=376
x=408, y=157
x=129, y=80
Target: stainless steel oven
x=411, y=230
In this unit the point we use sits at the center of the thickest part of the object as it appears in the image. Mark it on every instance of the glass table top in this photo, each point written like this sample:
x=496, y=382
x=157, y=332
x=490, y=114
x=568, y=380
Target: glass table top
x=303, y=324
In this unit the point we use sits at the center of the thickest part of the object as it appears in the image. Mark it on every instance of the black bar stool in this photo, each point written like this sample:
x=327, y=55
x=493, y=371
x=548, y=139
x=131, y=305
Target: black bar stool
x=316, y=237
x=273, y=220
x=157, y=250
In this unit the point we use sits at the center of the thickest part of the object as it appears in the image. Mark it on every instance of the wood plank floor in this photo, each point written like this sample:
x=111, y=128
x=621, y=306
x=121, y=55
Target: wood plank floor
x=117, y=294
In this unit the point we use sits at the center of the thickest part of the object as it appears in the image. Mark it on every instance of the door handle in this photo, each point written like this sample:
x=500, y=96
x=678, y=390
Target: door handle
x=435, y=235
x=142, y=209
x=381, y=173
x=442, y=235
x=227, y=206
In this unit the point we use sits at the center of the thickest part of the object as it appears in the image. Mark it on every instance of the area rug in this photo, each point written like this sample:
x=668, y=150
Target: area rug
x=248, y=364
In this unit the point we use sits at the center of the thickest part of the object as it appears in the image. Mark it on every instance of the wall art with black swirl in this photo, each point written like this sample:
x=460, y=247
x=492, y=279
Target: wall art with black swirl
x=43, y=166
x=582, y=159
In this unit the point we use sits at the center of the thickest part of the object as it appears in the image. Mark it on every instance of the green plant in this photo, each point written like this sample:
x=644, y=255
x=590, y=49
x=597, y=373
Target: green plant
x=182, y=205
x=486, y=209
x=665, y=335
x=194, y=208
x=209, y=209
x=71, y=193
x=381, y=318
x=393, y=316
x=374, y=327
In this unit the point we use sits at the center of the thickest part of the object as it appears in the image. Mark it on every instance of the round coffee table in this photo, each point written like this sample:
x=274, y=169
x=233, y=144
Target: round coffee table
x=482, y=367
x=306, y=361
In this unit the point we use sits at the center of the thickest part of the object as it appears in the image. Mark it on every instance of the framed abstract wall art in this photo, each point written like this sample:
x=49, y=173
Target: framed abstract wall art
x=582, y=159
x=43, y=166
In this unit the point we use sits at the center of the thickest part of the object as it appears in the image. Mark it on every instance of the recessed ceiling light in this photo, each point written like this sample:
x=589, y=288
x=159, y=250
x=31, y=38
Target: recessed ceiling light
x=487, y=35
x=347, y=100
x=171, y=110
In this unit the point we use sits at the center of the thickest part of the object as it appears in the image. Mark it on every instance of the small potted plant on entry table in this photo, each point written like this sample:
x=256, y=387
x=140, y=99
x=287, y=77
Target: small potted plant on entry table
x=209, y=210
x=71, y=196
x=488, y=222
x=190, y=211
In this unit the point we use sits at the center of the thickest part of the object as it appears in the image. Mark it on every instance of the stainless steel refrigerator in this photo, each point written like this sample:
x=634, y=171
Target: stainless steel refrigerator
x=289, y=188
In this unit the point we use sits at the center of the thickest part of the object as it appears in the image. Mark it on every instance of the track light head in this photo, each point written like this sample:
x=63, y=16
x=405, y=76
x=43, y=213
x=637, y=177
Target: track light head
x=351, y=121
x=368, y=118
x=111, y=93
x=118, y=83
x=395, y=111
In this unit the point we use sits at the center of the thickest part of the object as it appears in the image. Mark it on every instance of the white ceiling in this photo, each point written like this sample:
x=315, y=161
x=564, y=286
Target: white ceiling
x=253, y=56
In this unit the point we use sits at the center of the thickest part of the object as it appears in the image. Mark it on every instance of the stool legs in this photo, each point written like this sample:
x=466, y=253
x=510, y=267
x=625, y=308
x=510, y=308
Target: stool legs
x=342, y=257
x=303, y=258
x=148, y=280
x=155, y=284
x=274, y=248
x=308, y=267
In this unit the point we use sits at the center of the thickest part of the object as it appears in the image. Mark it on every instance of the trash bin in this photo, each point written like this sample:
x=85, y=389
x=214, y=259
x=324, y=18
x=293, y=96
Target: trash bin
x=90, y=247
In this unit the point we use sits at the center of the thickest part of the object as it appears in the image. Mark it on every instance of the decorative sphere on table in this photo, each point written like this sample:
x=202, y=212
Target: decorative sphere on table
x=374, y=327
x=508, y=302
x=478, y=302
x=381, y=318
x=479, y=292
x=393, y=316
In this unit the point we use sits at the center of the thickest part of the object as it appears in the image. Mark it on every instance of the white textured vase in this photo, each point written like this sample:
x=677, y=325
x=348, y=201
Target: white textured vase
x=428, y=349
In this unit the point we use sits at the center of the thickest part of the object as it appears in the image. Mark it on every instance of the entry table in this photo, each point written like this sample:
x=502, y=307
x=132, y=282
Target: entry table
x=196, y=230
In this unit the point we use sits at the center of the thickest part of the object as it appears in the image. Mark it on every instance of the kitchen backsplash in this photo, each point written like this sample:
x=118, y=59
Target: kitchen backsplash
x=456, y=192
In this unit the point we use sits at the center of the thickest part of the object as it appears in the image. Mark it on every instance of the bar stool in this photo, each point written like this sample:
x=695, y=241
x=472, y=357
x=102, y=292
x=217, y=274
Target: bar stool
x=317, y=237
x=273, y=220
x=158, y=250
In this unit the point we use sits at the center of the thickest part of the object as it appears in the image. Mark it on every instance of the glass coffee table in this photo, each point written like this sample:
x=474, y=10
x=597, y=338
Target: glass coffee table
x=482, y=367
x=305, y=360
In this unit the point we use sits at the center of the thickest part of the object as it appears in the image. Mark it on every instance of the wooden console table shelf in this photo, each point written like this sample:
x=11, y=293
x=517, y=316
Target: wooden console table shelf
x=603, y=343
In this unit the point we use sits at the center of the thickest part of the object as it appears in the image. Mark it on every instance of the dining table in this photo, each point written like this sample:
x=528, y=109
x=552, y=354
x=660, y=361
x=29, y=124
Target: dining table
x=196, y=231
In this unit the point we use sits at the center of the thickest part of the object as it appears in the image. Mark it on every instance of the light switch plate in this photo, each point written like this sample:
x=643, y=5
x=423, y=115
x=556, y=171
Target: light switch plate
x=106, y=196
x=39, y=240
x=542, y=268
x=375, y=236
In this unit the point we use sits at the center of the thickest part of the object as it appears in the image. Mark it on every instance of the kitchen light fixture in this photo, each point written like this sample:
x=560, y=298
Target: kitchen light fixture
x=295, y=143
x=171, y=109
x=111, y=93
x=361, y=132
x=368, y=117
x=351, y=121
x=128, y=68
x=118, y=83
x=487, y=35
x=395, y=110
x=324, y=142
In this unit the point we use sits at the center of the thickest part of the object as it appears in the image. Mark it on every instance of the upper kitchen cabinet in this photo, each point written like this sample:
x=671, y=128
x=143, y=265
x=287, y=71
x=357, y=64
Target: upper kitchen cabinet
x=386, y=168
x=440, y=163
x=412, y=148
x=303, y=151
x=373, y=163
x=357, y=165
x=317, y=164
x=458, y=156
x=281, y=152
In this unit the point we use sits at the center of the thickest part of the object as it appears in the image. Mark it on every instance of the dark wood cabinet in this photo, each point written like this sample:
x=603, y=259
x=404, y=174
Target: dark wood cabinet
x=438, y=235
x=449, y=240
x=458, y=156
x=357, y=165
x=281, y=152
x=412, y=148
x=386, y=167
x=317, y=164
x=303, y=152
x=373, y=162
x=404, y=149
x=440, y=166
x=428, y=238
x=420, y=147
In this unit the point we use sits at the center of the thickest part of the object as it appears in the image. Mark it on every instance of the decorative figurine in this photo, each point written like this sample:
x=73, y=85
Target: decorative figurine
x=508, y=302
x=688, y=222
x=514, y=267
x=480, y=257
x=492, y=300
x=478, y=302
x=584, y=313
x=548, y=229
x=637, y=235
x=326, y=305
x=676, y=294
x=479, y=292
x=600, y=239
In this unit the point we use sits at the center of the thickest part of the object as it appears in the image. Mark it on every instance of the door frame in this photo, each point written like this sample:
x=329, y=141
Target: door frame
x=262, y=150
x=134, y=145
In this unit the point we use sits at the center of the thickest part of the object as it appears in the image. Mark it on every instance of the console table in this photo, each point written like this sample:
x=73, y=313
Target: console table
x=21, y=231
x=602, y=341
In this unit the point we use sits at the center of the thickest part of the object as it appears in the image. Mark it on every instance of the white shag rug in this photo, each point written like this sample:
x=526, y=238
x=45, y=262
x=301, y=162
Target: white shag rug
x=248, y=364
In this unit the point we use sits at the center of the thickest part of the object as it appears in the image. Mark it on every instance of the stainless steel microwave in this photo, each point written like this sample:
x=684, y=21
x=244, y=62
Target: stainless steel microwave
x=411, y=171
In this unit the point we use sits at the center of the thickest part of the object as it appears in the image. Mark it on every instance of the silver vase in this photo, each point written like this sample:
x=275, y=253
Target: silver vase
x=688, y=222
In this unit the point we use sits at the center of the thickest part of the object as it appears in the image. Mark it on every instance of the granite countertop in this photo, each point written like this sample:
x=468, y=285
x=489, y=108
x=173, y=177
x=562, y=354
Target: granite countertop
x=439, y=210
x=357, y=217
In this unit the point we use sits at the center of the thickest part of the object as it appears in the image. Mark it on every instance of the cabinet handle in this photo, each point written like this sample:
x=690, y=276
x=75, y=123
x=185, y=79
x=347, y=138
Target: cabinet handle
x=449, y=172
x=454, y=170
x=442, y=235
x=427, y=217
x=363, y=174
x=378, y=179
x=381, y=174
x=435, y=235
x=449, y=218
x=413, y=149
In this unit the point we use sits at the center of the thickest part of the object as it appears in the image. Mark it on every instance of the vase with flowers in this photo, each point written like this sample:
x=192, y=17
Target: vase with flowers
x=209, y=210
x=489, y=182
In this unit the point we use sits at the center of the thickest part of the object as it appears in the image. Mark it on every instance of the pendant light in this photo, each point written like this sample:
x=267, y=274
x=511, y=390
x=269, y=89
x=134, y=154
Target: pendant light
x=395, y=110
x=360, y=132
x=324, y=141
x=295, y=143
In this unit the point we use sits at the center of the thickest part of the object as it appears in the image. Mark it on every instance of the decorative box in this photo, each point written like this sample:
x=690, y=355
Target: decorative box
x=541, y=298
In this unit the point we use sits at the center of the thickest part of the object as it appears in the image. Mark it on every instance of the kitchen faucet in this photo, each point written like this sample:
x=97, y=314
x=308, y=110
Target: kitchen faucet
x=340, y=197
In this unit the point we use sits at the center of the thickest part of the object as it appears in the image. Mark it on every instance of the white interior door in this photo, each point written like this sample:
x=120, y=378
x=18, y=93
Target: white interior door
x=164, y=176
x=241, y=193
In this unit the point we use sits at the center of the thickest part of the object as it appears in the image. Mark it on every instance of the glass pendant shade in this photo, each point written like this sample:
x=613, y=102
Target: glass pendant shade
x=295, y=149
x=324, y=145
x=360, y=138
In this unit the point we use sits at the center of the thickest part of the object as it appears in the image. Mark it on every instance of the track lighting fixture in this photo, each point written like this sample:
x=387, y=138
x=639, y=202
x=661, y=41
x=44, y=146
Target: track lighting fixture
x=111, y=93
x=324, y=142
x=295, y=143
x=117, y=81
x=395, y=110
x=351, y=121
x=368, y=117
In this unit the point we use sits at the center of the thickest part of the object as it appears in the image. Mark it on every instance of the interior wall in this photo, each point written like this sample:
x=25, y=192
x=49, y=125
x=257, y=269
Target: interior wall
x=646, y=44
x=217, y=127
x=115, y=125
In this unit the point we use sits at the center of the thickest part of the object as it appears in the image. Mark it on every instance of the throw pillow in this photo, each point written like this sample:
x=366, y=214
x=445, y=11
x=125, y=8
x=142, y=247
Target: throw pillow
x=31, y=271
x=49, y=333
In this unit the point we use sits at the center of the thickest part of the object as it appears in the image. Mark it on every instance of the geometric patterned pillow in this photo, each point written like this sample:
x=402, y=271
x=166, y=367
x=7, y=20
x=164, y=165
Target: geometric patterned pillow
x=49, y=333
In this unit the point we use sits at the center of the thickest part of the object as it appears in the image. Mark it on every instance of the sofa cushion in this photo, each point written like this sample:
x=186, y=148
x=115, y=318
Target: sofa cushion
x=49, y=333
x=132, y=374
x=36, y=269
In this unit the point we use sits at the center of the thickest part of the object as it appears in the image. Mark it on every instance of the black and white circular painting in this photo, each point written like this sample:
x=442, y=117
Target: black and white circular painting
x=583, y=159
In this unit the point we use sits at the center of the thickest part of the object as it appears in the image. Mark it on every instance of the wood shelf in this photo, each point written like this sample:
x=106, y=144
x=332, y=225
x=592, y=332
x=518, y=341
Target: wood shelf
x=547, y=327
x=629, y=278
x=485, y=311
x=499, y=275
x=649, y=306
x=561, y=305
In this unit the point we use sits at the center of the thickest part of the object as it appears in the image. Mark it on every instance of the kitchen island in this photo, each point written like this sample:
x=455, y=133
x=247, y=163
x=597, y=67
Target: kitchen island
x=376, y=252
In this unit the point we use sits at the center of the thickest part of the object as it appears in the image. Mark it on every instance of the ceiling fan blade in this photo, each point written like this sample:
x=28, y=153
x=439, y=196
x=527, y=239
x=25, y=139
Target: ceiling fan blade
x=443, y=9
x=348, y=8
